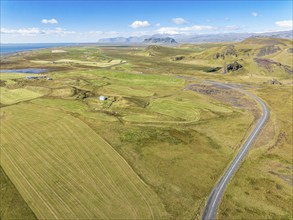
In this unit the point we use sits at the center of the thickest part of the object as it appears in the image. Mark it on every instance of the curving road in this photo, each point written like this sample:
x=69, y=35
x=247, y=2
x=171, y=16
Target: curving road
x=214, y=199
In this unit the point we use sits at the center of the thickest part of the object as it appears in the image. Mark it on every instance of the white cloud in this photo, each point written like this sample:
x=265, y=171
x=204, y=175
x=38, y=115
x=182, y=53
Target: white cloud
x=49, y=21
x=285, y=24
x=58, y=31
x=158, y=24
x=22, y=31
x=184, y=30
x=232, y=27
x=254, y=14
x=179, y=21
x=139, y=24
x=35, y=31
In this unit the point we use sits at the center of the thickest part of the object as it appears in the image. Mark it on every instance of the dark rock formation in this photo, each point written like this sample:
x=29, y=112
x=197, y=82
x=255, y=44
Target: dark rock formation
x=268, y=50
x=178, y=58
x=290, y=50
x=219, y=55
x=229, y=51
x=233, y=66
x=268, y=65
x=213, y=69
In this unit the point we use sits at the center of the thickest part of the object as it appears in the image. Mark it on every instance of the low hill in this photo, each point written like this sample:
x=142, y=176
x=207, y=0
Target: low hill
x=254, y=55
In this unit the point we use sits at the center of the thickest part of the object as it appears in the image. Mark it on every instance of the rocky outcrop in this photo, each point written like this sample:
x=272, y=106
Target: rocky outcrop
x=269, y=64
x=229, y=51
x=178, y=58
x=290, y=50
x=268, y=50
x=219, y=55
x=213, y=69
x=233, y=66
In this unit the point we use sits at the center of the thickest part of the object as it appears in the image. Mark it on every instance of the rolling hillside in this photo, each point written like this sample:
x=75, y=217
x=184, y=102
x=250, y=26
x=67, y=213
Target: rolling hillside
x=59, y=157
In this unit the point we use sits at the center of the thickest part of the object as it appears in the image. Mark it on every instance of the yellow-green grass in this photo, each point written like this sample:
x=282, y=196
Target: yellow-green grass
x=64, y=170
x=139, y=79
x=186, y=106
x=12, y=204
x=125, y=91
x=181, y=161
x=87, y=63
x=181, y=164
x=11, y=96
x=142, y=118
x=9, y=76
x=73, y=106
x=283, y=57
x=177, y=109
x=262, y=188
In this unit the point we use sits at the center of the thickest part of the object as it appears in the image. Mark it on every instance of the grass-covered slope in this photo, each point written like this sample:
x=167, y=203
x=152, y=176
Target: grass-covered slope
x=262, y=188
x=12, y=204
x=63, y=169
x=11, y=96
x=176, y=131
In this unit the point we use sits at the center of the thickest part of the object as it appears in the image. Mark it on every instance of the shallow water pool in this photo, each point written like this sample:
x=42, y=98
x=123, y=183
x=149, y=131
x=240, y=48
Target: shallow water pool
x=33, y=71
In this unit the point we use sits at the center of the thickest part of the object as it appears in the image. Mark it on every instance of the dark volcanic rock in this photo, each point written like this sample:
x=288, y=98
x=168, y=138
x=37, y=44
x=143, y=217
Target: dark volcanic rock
x=164, y=40
x=268, y=50
x=290, y=50
x=233, y=66
x=268, y=65
x=213, y=69
x=178, y=58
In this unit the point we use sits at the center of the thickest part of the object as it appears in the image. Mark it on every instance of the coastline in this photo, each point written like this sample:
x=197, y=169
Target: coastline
x=23, y=48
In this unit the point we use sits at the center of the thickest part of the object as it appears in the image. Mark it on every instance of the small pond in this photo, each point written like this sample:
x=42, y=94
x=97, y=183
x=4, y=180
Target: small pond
x=33, y=71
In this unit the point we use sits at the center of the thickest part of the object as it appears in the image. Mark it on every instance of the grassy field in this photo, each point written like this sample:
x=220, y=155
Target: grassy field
x=12, y=204
x=176, y=131
x=12, y=96
x=86, y=63
x=61, y=156
x=263, y=185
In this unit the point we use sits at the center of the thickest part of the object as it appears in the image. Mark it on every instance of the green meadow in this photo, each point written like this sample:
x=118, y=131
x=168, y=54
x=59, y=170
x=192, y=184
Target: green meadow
x=155, y=148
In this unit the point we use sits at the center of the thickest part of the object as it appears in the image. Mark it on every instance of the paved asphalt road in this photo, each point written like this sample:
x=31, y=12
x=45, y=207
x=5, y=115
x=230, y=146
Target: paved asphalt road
x=210, y=210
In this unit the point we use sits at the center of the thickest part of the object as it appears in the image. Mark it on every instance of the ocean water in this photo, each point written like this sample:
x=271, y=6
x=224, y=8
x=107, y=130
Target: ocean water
x=13, y=48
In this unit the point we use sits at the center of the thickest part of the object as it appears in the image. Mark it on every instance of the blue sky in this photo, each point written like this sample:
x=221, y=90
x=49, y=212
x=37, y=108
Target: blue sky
x=88, y=21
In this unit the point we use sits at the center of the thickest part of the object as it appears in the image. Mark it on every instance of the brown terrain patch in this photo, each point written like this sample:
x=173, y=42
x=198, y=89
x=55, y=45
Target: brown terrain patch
x=269, y=64
x=267, y=131
x=287, y=178
x=227, y=96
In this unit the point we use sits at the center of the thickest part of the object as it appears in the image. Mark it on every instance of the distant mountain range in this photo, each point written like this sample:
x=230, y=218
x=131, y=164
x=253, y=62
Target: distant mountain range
x=204, y=38
x=160, y=40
